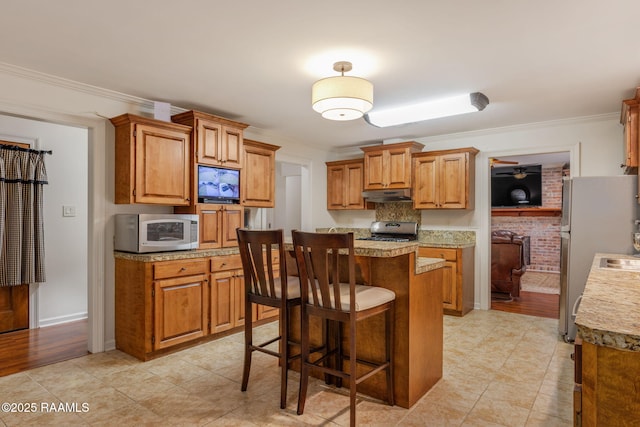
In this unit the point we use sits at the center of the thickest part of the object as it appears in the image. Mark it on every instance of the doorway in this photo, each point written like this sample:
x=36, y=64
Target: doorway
x=530, y=211
x=62, y=299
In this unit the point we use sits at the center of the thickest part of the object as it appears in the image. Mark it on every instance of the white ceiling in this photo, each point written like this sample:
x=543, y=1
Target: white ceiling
x=248, y=60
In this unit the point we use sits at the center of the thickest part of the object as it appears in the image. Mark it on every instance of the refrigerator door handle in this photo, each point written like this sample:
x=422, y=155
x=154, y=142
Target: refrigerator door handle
x=574, y=310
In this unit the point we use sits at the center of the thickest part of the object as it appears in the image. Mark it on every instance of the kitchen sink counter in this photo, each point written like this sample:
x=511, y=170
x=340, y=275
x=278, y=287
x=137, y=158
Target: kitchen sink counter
x=609, y=313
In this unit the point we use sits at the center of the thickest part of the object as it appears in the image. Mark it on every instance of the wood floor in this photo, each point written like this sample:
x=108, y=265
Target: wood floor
x=31, y=348
x=531, y=303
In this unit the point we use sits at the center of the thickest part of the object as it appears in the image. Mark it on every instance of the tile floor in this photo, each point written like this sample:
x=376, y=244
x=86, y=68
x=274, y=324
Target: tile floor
x=500, y=369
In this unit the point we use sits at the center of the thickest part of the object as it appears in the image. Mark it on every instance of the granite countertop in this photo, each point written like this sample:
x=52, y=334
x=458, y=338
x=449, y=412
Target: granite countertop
x=609, y=313
x=176, y=255
x=362, y=248
x=453, y=244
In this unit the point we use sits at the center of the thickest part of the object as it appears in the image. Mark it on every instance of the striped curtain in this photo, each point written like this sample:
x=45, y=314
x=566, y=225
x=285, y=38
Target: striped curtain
x=22, y=177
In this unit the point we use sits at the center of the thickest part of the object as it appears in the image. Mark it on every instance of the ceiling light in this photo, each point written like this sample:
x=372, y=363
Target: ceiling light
x=342, y=97
x=428, y=110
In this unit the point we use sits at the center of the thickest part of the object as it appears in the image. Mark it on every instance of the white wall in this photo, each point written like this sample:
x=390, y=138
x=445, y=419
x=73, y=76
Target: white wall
x=63, y=297
x=42, y=97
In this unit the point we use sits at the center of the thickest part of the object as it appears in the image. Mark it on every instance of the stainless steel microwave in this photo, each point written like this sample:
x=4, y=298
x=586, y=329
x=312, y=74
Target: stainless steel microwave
x=141, y=233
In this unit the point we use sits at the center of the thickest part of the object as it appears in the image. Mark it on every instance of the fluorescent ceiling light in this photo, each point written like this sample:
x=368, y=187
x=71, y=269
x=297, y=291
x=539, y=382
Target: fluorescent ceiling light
x=428, y=110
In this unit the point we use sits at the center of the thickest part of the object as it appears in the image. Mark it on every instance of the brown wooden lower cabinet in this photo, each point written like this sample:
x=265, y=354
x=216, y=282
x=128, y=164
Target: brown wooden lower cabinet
x=609, y=394
x=458, y=278
x=164, y=304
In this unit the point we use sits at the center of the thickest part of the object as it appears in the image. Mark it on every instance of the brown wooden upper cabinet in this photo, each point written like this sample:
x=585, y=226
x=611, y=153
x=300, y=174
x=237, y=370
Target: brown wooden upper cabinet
x=258, y=174
x=345, y=184
x=216, y=141
x=444, y=179
x=151, y=161
x=630, y=121
x=389, y=165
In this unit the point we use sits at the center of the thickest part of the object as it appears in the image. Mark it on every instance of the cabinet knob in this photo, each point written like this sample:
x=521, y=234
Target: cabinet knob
x=183, y=268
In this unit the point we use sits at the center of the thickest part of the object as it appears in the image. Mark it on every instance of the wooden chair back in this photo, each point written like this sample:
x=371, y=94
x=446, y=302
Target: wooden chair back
x=257, y=249
x=318, y=257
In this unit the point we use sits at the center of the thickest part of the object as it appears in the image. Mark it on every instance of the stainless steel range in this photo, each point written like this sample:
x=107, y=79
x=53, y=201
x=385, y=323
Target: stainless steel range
x=393, y=231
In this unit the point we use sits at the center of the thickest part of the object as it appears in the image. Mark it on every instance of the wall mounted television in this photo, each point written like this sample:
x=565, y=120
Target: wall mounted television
x=510, y=189
x=218, y=185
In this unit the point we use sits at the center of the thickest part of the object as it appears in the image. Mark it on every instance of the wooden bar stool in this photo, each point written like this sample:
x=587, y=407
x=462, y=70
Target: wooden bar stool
x=266, y=286
x=340, y=305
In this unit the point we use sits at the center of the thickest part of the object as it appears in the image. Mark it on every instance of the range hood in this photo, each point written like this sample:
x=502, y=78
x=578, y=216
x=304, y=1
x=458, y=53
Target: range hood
x=385, y=196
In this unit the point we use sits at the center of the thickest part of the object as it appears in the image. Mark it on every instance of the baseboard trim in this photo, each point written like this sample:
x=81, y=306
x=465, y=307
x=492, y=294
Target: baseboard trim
x=63, y=319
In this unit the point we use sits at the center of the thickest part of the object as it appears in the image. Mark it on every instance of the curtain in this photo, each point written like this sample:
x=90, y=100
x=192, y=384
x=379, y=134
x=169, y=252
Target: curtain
x=22, y=178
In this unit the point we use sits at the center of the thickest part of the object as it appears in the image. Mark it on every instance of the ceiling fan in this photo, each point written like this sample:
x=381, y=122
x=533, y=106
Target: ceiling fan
x=519, y=172
x=494, y=161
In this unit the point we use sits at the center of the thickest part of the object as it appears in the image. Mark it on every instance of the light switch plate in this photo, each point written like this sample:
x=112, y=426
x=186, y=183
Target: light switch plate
x=68, y=211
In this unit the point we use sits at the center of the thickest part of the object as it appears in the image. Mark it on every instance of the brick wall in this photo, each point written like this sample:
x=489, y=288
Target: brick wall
x=544, y=231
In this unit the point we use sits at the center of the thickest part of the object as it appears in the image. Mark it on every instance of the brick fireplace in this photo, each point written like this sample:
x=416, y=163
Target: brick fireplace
x=543, y=225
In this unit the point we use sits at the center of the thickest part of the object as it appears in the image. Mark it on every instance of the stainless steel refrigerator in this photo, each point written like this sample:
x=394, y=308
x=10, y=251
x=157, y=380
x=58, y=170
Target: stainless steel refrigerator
x=598, y=215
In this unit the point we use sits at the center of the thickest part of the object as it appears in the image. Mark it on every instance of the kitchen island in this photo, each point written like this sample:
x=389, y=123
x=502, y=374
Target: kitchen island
x=608, y=369
x=207, y=285
x=418, y=345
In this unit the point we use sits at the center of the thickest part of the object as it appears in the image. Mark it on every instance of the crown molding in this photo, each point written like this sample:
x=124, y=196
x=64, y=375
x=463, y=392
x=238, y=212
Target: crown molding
x=145, y=105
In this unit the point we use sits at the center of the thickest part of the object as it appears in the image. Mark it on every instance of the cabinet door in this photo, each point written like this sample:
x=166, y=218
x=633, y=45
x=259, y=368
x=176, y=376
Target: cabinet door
x=231, y=147
x=631, y=134
x=336, y=181
x=162, y=166
x=232, y=218
x=450, y=281
x=452, y=185
x=258, y=182
x=223, y=295
x=210, y=226
x=374, y=166
x=179, y=310
x=353, y=186
x=208, y=137
x=425, y=190
x=398, y=168
x=450, y=285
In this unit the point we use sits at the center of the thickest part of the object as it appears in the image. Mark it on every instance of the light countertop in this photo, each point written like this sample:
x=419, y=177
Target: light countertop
x=362, y=248
x=609, y=313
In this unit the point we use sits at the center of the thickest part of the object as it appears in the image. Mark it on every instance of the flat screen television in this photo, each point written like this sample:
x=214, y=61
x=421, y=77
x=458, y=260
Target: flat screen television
x=509, y=188
x=218, y=185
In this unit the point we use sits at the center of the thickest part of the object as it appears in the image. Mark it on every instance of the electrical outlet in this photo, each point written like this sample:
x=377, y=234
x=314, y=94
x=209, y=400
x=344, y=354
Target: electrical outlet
x=68, y=211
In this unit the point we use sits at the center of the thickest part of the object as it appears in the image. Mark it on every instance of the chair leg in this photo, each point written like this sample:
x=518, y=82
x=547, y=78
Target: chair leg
x=390, y=317
x=304, y=356
x=248, y=342
x=284, y=354
x=353, y=373
x=337, y=336
x=327, y=345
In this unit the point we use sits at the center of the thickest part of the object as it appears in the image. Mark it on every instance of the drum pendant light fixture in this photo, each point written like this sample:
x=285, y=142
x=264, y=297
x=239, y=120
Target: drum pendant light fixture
x=342, y=97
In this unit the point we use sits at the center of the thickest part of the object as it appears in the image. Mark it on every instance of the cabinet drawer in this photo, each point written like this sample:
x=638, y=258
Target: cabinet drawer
x=446, y=253
x=163, y=270
x=226, y=262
